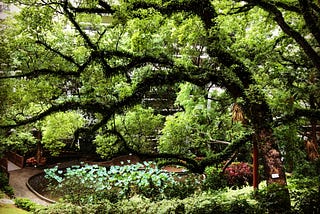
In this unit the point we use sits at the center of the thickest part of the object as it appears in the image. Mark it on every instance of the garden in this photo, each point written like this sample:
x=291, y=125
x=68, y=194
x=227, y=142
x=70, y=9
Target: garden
x=144, y=188
x=219, y=100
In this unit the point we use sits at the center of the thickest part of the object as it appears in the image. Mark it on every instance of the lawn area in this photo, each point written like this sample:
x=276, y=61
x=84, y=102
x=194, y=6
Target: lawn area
x=11, y=209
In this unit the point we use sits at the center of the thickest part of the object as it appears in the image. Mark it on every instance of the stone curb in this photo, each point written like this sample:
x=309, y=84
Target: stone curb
x=36, y=193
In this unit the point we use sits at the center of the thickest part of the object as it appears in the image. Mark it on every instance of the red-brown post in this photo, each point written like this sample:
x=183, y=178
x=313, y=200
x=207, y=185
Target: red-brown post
x=255, y=166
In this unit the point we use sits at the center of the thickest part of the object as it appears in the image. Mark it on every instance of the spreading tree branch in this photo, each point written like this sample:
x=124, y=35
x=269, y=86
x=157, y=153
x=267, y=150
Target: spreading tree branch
x=70, y=105
x=67, y=58
x=226, y=153
x=102, y=8
x=229, y=61
x=92, y=129
x=204, y=9
x=278, y=17
x=311, y=21
x=288, y=7
x=296, y=115
x=71, y=18
x=242, y=9
x=37, y=73
x=181, y=160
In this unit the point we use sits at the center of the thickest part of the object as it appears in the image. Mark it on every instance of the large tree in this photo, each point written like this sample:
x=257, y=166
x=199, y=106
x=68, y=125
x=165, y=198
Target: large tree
x=62, y=56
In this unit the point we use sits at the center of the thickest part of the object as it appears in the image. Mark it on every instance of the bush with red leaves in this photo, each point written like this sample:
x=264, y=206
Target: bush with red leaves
x=31, y=161
x=239, y=174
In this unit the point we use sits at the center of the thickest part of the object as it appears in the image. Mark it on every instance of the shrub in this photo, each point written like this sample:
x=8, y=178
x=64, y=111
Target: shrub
x=307, y=169
x=8, y=190
x=242, y=206
x=185, y=186
x=303, y=184
x=274, y=198
x=214, y=180
x=58, y=208
x=31, y=161
x=26, y=204
x=4, y=185
x=307, y=202
x=143, y=205
x=239, y=174
x=202, y=203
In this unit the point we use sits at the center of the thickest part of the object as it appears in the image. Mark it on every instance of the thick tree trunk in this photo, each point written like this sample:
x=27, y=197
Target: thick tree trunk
x=277, y=192
x=273, y=164
x=279, y=198
x=261, y=120
x=312, y=145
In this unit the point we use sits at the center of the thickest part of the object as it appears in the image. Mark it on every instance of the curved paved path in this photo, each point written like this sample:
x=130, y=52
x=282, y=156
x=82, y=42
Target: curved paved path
x=18, y=179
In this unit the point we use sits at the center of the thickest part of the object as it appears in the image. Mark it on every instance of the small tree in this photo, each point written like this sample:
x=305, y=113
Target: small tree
x=59, y=128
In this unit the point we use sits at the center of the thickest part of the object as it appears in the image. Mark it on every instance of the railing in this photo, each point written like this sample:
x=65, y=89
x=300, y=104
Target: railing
x=16, y=159
x=4, y=163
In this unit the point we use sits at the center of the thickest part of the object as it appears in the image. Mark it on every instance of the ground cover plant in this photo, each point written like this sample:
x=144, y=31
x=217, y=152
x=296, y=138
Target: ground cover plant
x=214, y=202
x=4, y=185
x=92, y=183
x=304, y=199
x=145, y=188
x=26, y=204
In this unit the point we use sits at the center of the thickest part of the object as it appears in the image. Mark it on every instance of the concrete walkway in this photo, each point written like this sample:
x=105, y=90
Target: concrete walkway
x=18, y=179
x=12, y=166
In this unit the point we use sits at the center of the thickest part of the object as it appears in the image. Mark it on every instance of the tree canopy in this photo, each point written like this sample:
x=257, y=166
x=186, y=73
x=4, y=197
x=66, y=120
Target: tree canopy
x=62, y=56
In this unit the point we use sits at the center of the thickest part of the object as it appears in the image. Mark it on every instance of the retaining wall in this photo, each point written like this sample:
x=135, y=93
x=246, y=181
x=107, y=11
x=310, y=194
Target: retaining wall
x=16, y=159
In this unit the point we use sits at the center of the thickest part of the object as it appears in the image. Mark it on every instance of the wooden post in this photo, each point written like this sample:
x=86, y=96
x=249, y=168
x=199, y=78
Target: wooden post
x=37, y=135
x=255, y=166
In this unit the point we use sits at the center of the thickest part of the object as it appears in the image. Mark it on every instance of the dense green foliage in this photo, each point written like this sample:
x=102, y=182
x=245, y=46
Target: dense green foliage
x=91, y=183
x=26, y=204
x=20, y=140
x=103, y=69
x=201, y=204
x=59, y=127
x=139, y=128
x=143, y=188
x=303, y=194
x=68, y=73
x=4, y=183
x=194, y=131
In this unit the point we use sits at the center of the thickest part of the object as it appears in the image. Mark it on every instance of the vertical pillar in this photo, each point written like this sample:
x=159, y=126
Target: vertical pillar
x=255, y=166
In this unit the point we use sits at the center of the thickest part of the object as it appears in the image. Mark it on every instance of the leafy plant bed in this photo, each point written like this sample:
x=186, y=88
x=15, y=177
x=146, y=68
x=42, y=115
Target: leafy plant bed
x=83, y=184
x=86, y=183
x=141, y=188
x=80, y=183
x=223, y=202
